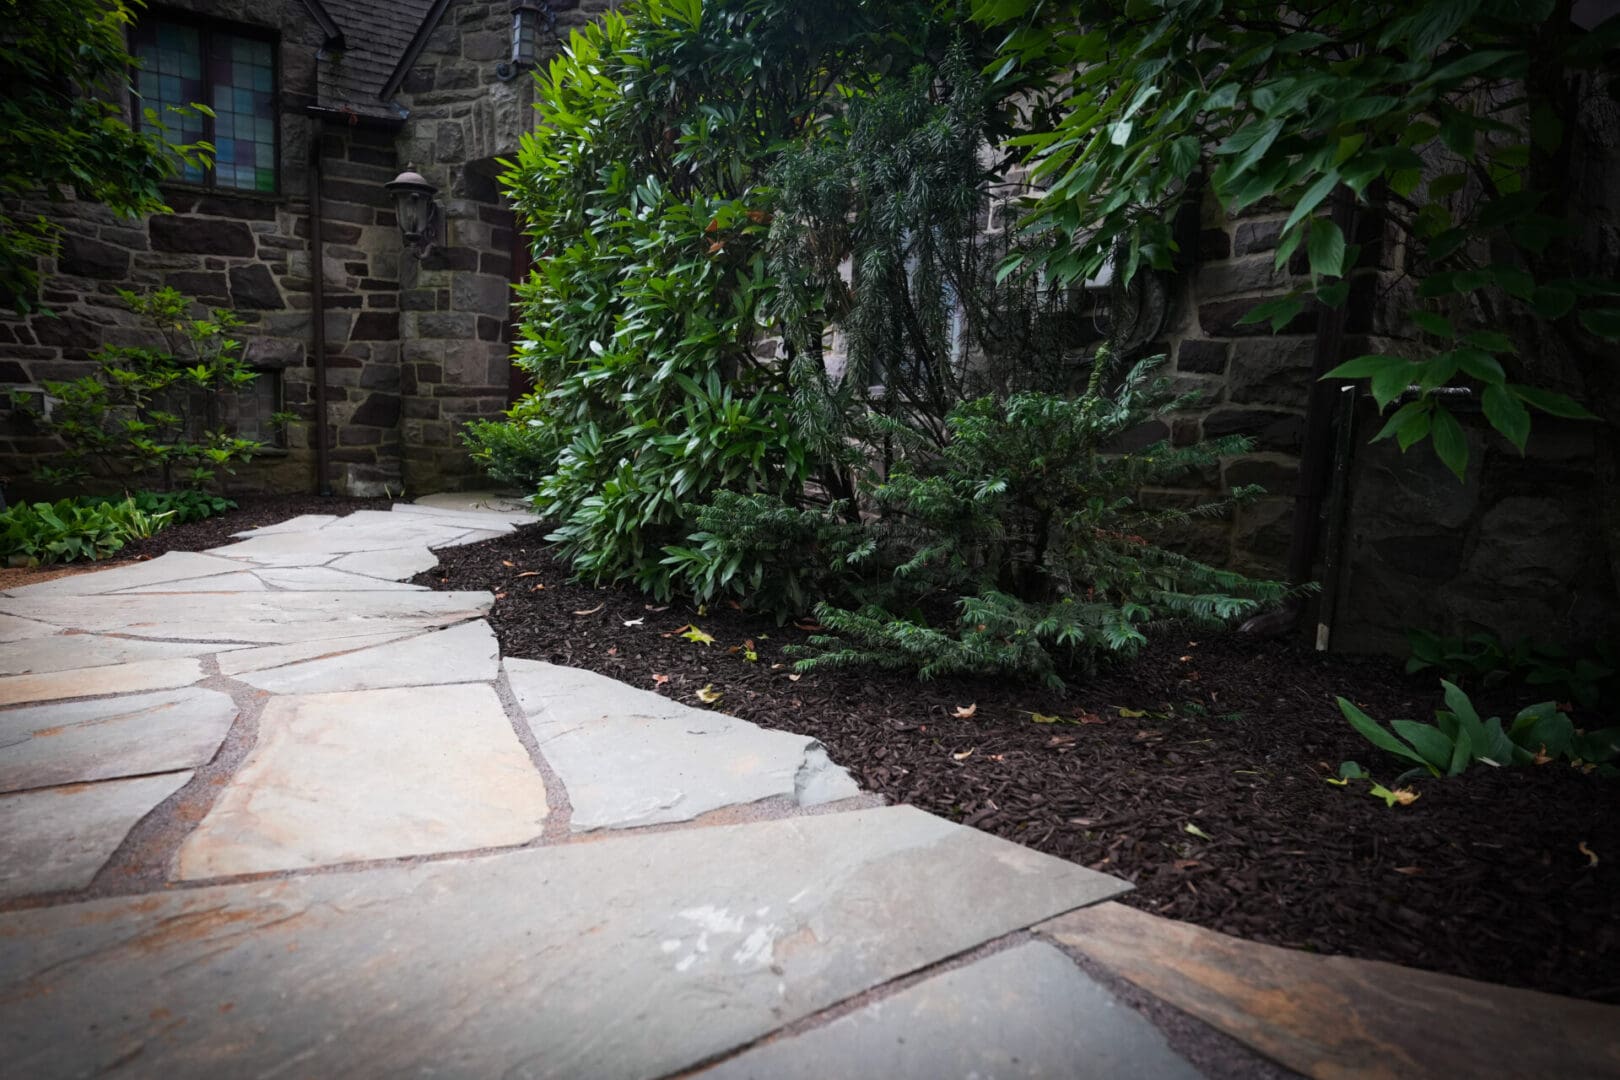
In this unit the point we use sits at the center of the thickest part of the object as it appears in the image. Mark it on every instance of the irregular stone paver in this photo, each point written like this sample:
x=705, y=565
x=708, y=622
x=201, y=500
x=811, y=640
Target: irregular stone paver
x=301, y=523
x=325, y=579
x=171, y=566
x=611, y=959
x=268, y=656
x=14, y=629
x=1025, y=1012
x=1332, y=1016
x=58, y=838
x=49, y=745
x=481, y=520
x=514, y=507
x=629, y=757
x=272, y=618
x=108, y=679
x=239, y=581
x=374, y=774
x=60, y=652
x=466, y=653
x=394, y=564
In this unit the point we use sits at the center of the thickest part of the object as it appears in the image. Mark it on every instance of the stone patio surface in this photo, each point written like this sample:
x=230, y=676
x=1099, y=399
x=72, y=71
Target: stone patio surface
x=270, y=811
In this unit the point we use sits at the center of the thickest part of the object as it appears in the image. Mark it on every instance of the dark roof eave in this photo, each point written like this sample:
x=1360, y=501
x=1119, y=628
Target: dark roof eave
x=407, y=60
x=328, y=25
x=359, y=119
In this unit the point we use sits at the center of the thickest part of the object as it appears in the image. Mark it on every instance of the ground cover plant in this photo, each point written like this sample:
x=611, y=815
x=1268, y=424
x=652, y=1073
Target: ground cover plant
x=42, y=533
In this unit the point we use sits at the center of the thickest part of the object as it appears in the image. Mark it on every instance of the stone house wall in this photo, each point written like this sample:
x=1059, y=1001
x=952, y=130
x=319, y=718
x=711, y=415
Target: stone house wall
x=414, y=346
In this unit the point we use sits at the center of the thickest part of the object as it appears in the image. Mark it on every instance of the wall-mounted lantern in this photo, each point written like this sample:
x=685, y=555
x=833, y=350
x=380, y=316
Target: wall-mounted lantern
x=418, y=214
x=532, y=22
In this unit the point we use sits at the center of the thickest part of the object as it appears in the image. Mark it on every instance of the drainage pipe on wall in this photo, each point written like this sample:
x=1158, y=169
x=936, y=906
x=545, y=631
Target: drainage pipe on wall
x=317, y=291
x=1316, y=455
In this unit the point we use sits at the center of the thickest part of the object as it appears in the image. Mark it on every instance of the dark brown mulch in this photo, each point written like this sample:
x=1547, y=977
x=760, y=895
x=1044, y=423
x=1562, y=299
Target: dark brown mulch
x=1483, y=876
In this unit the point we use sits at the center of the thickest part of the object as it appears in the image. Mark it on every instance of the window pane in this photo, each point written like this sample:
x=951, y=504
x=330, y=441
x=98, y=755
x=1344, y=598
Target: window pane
x=236, y=78
x=243, y=92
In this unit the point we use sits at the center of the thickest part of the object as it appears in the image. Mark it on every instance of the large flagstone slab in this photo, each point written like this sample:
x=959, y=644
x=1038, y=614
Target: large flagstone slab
x=629, y=757
x=171, y=566
x=260, y=657
x=393, y=564
x=628, y=957
x=237, y=581
x=1025, y=1012
x=270, y=618
x=60, y=652
x=48, y=745
x=107, y=679
x=13, y=628
x=484, y=520
x=301, y=523
x=374, y=774
x=58, y=838
x=325, y=579
x=466, y=653
x=1333, y=1016
x=461, y=502
x=304, y=548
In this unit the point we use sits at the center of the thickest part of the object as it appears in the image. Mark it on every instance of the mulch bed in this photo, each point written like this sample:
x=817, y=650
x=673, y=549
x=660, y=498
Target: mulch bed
x=1483, y=876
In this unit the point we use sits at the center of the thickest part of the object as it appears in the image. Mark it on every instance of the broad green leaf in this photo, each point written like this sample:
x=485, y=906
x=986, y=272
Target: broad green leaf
x=1550, y=402
x=1450, y=444
x=1551, y=302
x=1507, y=415
x=1373, y=733
x=1391, y=383
x=1604, y=322
x=1434, y=324
x=1325, y=246
x=1481, y=365
x=1427, y=740
x=1364, y=366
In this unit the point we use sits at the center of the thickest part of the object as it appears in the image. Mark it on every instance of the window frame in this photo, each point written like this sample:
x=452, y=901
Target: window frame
x=207, y=28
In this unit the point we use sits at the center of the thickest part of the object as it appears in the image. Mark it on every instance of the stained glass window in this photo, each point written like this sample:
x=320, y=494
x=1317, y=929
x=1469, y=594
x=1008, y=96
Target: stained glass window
x=233, y=75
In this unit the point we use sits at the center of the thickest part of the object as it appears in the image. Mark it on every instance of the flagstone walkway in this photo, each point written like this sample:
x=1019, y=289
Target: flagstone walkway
x=270, y=811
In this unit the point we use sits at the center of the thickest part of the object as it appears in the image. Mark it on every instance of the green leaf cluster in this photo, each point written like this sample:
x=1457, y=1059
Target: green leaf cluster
x=63, y=128
x=41, y=533
x=154, y=415
x=1459, y=738
x=1447, y=122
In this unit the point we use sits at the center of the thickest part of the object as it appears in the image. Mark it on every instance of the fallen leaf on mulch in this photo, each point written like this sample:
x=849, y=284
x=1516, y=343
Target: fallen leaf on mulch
x=1133, y=714
x=965, y=712
x=809, y=627
x=795, y=678
x=1090, y=718
x=506, y=562
x=635, y=622
x=708, y=694
x=660, y=679
x=530, y=573
x=698, y=637
x=1409, y=871
x=593, y=610
x=1196, y=831
x=1042, y=718
x=1591, y=856
x=963, y=756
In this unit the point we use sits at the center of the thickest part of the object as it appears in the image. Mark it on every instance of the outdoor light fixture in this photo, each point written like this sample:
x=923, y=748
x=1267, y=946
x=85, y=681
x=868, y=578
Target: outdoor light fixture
x=418, y=214
x=531, y=20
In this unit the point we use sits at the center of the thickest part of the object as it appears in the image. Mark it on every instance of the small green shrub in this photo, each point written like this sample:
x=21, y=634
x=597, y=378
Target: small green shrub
x=154, y=415
x=1483, y=661
x=1029, y=523
x=175, y=507
x=1459, y=738
x=69, y=530
x=518, y=450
